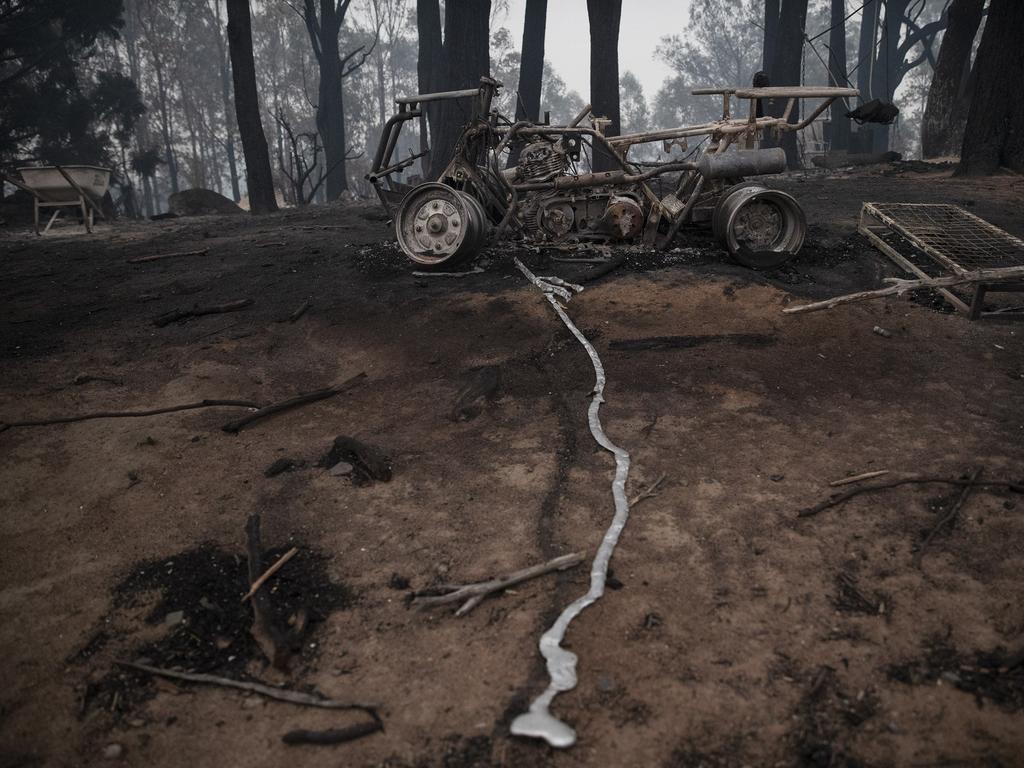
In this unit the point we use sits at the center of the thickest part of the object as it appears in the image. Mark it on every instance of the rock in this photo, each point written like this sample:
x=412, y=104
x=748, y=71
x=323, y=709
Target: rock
x=367, y=463
x=341, y=469
x=174, y=618
x=200, y=202
x=113, y=752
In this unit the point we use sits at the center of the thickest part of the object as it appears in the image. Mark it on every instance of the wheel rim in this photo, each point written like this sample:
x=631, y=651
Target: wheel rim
x=437, y=225
x=760, y=220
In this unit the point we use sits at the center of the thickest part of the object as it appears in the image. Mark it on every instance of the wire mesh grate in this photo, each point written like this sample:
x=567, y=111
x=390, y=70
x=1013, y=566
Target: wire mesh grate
x=955, y=238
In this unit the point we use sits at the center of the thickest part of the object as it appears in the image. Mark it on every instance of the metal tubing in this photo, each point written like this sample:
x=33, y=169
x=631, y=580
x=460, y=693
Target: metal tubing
x=423, y=98
x=690, y=202
x=387, y=141
x=581, y=116
x=609, y=178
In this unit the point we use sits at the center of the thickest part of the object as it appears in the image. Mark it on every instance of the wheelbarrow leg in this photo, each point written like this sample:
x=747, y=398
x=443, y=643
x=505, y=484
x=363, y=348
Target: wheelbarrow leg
x=36, y=209
x=86, y=216
x=56, y=213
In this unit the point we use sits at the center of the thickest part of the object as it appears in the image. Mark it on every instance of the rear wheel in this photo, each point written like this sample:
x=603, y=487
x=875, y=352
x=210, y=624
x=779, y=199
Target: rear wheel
x=439, y=227
x=760, y=227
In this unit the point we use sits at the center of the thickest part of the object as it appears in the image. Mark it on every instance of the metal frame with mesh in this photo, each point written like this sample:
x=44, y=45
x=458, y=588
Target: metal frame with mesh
x=957, y=241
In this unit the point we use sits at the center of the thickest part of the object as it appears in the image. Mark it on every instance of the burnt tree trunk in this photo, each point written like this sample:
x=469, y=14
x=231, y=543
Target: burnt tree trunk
x=429, y=65
x=840, y=124
x=258, y=176
x=994, y=135
x=866, y=47
x=786, y=68
x=466, y=58
x=865, y=58
x=942, y=126
x=147, y=196
x=604, y=72
x=165, y=124
x=531, y=67
x=531, y=63
x=225, y=95
x=330, y=110
x=323, y=29
x=888, y=67
x=771, y=31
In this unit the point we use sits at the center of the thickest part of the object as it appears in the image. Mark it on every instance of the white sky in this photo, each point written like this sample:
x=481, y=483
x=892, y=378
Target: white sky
x=567, y=41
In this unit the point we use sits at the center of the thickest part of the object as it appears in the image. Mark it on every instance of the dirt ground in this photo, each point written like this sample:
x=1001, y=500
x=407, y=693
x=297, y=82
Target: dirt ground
x=735, y=633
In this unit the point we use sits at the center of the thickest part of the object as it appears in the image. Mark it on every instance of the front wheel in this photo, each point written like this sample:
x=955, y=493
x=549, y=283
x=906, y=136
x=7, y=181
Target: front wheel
x=438, y=226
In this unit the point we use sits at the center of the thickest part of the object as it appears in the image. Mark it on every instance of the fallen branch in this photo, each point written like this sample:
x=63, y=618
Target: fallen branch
x=279, y=694
x=4, y=425
x=183, y=314
x=175, y=255
x=836, y=499
x=272, y=642
x=270, y=572
x=649, y=493
x=898, y=286
x=858, y=478
x=474, y=594
x=334, y=735
x=236, y=426
x=964, y=493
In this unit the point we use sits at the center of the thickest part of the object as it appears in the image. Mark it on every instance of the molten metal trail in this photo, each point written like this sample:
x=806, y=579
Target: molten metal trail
x=561, y=664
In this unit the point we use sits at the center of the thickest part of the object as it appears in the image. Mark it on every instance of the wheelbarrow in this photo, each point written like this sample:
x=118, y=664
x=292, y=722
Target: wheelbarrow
x=66, y=186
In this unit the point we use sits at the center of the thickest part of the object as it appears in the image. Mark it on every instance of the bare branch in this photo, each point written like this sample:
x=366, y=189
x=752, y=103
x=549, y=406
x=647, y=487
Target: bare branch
x=362, y=59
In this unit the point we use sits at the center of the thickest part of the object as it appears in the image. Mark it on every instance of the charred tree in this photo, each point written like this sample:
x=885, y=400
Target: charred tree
x=604, y=72
x=531, y=67
x=994, y=135
x=945, y=112
x=465, y=59
x=323, y=32
x=429, y=65
x=771, y=31
x=531, y=63
x=323, y=28
x=866, y=47
x=840, y=124
x=886, y=41
x=225, y=95
x=786, y=68
x=259, y=178
x=163, y=100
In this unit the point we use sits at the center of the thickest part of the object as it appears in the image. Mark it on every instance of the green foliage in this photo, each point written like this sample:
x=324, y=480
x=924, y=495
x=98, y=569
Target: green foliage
x=56, y=106
x=721, y=46
x=636, y=116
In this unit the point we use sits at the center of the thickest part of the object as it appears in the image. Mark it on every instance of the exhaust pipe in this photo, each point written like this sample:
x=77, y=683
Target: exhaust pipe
x=742, y=162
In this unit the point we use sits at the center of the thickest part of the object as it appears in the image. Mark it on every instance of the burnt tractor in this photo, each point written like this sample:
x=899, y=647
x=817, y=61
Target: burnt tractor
x=550, y=195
